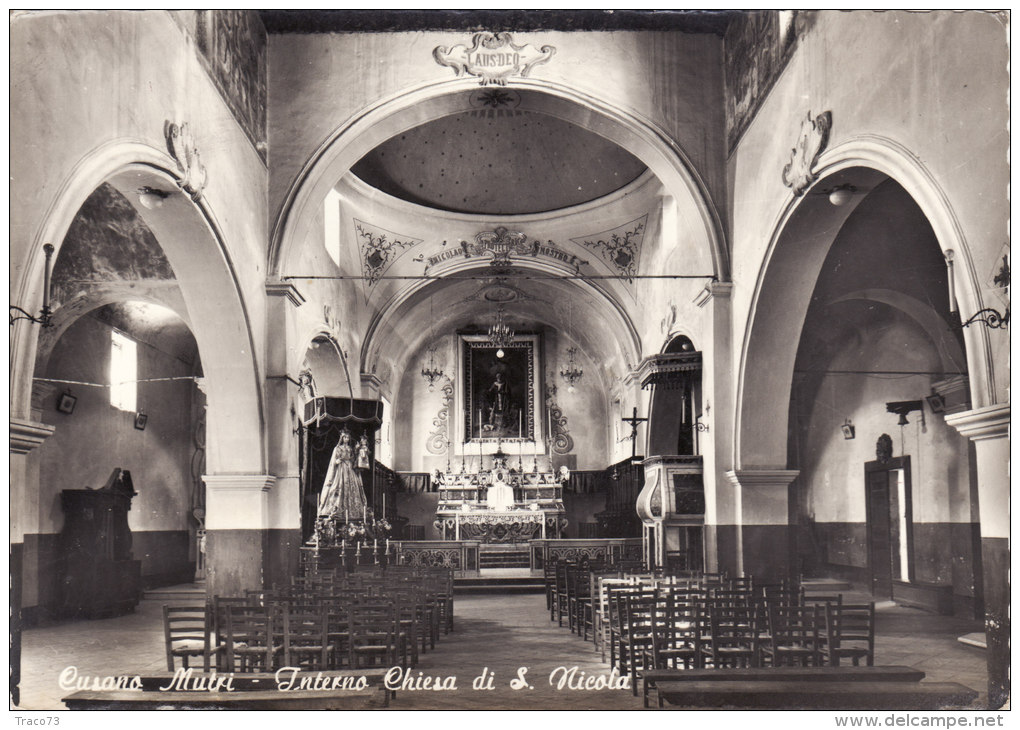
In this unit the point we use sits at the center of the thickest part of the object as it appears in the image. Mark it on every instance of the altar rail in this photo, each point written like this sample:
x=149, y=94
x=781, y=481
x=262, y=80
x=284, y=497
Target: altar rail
x=460, y=555
x=463, y=555
x=611, y=549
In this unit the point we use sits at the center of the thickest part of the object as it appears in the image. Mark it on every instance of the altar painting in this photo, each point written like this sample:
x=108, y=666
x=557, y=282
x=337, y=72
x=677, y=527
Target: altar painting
x=499, y=392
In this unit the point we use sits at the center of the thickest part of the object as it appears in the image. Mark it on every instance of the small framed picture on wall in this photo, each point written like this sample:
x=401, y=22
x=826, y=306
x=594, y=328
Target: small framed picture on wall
x=140, y=420
x=65, y=403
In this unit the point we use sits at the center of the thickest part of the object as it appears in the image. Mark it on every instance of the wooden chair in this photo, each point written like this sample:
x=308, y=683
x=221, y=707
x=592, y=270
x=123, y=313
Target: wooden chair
x=676, y=631
x=734, y=639
x=254, y=638
x=793, y=636
x=578, y=597
x=220, y=608
x=850, y=633
x=305, y=638
x=636, y=611
x=187, y=633
x=373, y=634
x=561, y=599
x=549, y=579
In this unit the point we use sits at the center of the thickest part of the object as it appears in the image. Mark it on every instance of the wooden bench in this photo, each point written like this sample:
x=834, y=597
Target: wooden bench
x=237, y=700
x=818, y=695
x=651, y=678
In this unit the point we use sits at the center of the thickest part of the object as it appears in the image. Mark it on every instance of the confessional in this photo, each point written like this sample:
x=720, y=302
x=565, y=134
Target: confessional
x=100, y=578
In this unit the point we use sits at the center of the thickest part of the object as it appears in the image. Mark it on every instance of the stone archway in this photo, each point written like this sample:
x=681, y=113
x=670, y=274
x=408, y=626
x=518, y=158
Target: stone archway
x=696, y=215
x=797, y=248
x=216, y=311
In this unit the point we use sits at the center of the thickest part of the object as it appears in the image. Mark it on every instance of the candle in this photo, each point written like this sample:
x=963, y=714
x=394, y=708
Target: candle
x=374, y=545
x=952, y=281
x=387, y=546
x=520, y=425
x=384, y=505
x=364, y=512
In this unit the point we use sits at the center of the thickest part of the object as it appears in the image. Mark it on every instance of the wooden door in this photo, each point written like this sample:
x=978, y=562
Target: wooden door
x=890, y=554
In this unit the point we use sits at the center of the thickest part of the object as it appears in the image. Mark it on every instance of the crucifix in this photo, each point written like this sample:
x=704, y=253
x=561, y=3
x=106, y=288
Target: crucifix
x=633, y=421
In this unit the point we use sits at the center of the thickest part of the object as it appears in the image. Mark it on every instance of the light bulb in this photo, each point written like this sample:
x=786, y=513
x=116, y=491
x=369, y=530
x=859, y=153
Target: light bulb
x=500, y=353
x=570, y=388
x=840, y=196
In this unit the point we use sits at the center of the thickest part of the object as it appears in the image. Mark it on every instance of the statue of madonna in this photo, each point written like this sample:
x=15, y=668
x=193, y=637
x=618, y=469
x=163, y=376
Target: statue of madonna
x=342, y=493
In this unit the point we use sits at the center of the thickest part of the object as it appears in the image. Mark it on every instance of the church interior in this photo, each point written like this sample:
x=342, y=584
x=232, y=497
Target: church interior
x=506, y=297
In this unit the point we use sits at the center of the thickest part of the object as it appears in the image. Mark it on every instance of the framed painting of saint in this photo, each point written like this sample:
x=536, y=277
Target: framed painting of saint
x=498, y=389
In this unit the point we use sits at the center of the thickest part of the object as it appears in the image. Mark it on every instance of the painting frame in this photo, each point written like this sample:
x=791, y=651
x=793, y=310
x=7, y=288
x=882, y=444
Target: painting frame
x=141, y=419
x=479, y=425
x=66, y=403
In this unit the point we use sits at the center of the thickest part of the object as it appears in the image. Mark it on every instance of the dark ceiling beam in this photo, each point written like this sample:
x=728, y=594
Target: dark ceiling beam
x=380, y=21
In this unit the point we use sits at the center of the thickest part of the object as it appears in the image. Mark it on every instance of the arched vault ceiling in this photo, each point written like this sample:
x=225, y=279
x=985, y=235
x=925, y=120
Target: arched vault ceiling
x=498, y=161
x=529, y=306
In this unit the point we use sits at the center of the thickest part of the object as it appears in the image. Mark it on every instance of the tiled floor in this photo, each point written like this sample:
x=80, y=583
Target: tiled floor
x=498, y=633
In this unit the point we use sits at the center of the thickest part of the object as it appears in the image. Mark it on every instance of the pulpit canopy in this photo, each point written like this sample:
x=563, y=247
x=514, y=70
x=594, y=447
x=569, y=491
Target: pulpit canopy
x=326, y=410
x=669, y=370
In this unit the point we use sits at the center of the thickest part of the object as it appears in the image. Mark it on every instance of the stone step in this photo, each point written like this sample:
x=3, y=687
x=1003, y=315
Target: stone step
x=498, y=584
x=975, y=639
x=177, y=595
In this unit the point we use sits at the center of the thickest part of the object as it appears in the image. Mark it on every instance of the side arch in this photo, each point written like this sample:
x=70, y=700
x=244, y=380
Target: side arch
x=799, y=243
x=216, y=312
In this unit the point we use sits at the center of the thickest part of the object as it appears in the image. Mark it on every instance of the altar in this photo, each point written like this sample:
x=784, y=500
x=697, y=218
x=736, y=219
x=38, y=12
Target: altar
x=501, y=504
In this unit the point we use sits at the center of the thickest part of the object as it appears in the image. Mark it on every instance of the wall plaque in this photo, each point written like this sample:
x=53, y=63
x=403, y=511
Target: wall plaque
x=493, y=58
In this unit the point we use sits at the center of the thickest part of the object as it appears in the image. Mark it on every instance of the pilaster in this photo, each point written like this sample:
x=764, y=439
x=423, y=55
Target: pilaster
x=988, y=428
x=237, y=537
x=763, y=531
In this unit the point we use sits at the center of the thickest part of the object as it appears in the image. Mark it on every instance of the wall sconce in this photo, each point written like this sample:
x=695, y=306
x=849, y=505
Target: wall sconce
x=152, y=198
x=848, y=429
x=572, y=374
x=45, y=317
x=841, y=194
x=430, y=372
x=988, y=316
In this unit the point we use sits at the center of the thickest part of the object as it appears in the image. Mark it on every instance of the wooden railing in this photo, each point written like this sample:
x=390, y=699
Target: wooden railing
x=463, y=555
x=460, y=555
x=603, y=549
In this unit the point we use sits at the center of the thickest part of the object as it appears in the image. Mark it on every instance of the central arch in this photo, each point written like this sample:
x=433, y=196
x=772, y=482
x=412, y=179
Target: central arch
x=697, y=216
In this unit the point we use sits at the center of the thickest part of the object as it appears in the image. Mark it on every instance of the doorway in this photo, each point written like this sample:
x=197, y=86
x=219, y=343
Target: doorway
x=890, y=524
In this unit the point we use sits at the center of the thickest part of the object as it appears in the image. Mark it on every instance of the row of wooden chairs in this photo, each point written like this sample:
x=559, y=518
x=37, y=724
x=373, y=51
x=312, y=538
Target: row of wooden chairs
x=317, y=623
x=668, y=628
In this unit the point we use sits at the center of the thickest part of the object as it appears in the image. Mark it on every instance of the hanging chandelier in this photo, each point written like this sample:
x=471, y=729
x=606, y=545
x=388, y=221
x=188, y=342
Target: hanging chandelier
x=500, y=334
x=430, y=372
x=572, y=374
